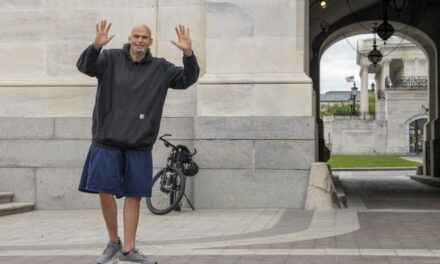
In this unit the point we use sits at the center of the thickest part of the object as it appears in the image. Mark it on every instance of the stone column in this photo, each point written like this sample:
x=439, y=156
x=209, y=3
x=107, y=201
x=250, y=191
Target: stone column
x=434, y=107
x=384, y=73
x=378, y=83
x=255, y=121
x=364, y=89
x=379, y=108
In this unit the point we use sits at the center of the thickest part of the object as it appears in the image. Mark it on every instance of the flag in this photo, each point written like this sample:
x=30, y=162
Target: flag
x=349, y=79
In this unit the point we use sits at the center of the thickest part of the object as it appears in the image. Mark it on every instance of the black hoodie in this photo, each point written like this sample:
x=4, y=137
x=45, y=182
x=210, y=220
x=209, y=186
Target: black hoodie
x=131, y=95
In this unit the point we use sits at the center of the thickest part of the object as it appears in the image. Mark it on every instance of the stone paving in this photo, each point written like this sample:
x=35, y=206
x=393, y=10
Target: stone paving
x=381, y=225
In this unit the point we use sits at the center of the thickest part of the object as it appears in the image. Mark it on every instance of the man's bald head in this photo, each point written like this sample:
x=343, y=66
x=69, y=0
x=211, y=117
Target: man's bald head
x=141, y=28
x=140, y=40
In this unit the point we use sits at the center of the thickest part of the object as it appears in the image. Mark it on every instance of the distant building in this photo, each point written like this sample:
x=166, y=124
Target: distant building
x=401, y=103
x=332, y=97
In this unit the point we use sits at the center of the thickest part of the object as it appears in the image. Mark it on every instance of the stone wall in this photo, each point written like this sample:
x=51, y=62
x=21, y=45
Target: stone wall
x=356, y=136
x=43, y=39
x=403, y=107
x=251, y=115
x=41, y=158
x=387, y=135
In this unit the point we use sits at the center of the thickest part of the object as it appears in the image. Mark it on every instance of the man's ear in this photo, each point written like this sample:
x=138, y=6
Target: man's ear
x=129, y=38
x=151, y=42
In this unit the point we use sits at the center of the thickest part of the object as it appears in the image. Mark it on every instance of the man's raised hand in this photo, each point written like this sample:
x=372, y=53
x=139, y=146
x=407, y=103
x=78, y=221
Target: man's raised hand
x=102, y=37
x=184, y=40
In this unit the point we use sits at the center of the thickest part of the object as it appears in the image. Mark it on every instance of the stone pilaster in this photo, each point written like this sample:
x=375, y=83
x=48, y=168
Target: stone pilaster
x=364, y=89
x=255, y=94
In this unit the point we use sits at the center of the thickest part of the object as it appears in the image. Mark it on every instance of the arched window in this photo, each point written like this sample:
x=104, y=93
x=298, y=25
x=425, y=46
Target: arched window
x=416, y=135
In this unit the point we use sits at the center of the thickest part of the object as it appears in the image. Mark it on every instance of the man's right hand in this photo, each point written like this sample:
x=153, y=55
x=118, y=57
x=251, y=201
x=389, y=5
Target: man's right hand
x=102, y=37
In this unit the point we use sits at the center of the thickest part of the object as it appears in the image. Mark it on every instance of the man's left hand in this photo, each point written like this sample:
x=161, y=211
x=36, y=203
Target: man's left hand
x=184, y=40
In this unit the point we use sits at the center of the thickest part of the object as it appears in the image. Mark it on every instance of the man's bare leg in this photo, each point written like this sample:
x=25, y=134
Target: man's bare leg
x=110, y=213
x=131, y=219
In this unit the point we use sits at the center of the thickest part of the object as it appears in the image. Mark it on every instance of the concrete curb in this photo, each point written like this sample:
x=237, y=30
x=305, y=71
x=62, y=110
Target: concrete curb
x=376, y=169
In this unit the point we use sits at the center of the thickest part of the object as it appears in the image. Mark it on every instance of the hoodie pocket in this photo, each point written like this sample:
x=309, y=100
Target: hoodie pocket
x=126, y=129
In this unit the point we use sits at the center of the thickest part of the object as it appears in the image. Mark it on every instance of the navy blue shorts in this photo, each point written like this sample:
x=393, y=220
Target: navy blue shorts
x=118, y=172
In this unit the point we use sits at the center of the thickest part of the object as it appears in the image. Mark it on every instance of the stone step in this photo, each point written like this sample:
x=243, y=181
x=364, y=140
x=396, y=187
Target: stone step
x=6, y=197
x=340, y=193
x=15, y=207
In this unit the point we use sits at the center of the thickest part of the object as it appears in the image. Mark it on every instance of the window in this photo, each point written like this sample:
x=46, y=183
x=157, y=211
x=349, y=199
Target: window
x=416, y=135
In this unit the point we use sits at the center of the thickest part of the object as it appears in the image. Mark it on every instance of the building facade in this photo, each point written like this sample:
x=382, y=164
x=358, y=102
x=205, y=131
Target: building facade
x=253, y=115
x=401, y=97
x=248, y=116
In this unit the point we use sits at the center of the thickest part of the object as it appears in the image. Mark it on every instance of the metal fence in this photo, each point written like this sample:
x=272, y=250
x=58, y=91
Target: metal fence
x=407, y=83
x=357, y=116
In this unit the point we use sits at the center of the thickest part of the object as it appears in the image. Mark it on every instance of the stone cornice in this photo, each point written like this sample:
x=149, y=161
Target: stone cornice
x=257, y=78
x=45, y=83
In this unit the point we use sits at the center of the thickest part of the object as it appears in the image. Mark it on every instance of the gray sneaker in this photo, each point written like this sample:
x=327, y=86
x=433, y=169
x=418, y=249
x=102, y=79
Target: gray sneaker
x=134, y=256
x=110, y=253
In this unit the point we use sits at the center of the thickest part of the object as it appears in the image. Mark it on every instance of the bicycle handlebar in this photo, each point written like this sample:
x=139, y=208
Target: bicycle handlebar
x=168, y=144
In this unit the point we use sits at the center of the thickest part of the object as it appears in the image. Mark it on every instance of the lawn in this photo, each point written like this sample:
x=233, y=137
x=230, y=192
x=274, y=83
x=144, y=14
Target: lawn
x=369, y=161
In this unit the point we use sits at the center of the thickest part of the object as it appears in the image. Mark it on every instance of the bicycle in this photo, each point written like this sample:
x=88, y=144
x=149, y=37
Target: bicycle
x=169, y=183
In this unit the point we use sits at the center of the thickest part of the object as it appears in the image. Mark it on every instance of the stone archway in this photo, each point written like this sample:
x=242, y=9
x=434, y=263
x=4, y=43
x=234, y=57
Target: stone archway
x=423, y=36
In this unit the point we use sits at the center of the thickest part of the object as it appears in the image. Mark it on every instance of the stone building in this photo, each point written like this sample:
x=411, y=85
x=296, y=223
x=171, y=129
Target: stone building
x=401, y=94
x=252, y=115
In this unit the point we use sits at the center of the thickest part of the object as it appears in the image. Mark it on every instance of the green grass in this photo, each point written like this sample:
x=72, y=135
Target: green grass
x=369, y=161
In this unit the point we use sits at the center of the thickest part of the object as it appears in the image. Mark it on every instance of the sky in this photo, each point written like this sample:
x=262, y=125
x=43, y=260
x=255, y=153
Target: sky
x=338, y=62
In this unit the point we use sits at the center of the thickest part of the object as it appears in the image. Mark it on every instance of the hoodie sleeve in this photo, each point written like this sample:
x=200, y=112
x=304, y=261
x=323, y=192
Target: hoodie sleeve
x=182, y=78
x=92, y=62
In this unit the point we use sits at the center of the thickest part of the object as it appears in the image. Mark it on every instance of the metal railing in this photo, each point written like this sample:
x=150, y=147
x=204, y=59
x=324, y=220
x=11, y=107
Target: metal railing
x=357, y=116
x=407, y=83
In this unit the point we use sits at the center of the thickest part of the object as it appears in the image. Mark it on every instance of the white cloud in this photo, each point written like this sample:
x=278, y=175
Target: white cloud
x=338, y=62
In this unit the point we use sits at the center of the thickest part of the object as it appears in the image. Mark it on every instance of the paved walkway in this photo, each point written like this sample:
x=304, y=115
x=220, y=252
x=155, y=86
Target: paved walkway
x=390, y=219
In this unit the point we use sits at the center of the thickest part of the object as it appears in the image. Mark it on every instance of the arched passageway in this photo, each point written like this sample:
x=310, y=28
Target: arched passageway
x=416, y=23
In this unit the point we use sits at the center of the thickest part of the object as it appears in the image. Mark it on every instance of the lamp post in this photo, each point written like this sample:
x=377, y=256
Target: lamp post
x=353, y=98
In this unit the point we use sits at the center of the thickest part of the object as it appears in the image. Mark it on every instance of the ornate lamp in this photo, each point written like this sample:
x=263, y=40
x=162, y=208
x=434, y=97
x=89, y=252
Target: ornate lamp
x=385, y=30
x=375, y=56
x=353, y=94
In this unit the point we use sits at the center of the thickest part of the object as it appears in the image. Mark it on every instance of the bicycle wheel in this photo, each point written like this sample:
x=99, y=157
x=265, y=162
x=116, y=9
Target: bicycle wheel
x=168, y=190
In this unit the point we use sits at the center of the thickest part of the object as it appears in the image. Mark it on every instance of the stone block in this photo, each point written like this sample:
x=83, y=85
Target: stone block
x=226, y=19
x=250, y=188
x=224, y=154
x=20, y=4
x=19, y=181
x=78, y=25
x=47, y=101
x=57, y=189
x=178, y=127
x=255, y=100
x=281, y=57
x=98, y=4
x=62, y=57
x=73, y=128
x=321, y=192
x=43, y=153
x=180, y=103
x=23, y=24
x=81, y=127
x=284, y=154
x=254, y=127
x=181, y=2
x=26, y=128
x=16, y=64
x=192, y=16
x=285, y=23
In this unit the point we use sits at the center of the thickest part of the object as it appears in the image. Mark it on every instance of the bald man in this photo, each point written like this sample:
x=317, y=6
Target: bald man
x=132, y=86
